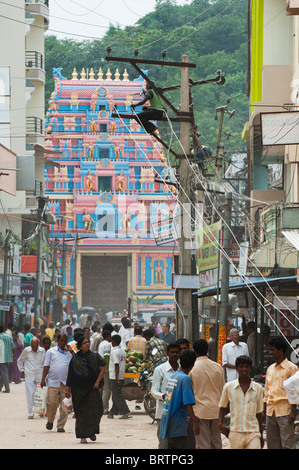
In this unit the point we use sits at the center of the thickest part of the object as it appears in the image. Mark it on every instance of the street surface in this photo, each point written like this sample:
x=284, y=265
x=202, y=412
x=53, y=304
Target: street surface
x=19, y=432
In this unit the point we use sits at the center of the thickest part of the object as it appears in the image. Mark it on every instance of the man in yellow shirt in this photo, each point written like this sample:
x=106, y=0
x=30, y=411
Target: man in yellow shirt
x=50, y=331
x=245, y=399
x=280, y=414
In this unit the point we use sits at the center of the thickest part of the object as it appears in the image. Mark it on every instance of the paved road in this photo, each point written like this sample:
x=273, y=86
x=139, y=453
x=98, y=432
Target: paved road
x=19, y=432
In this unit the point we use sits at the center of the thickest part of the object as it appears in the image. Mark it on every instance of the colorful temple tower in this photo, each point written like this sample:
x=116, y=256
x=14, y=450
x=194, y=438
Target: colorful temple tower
x=103, y=191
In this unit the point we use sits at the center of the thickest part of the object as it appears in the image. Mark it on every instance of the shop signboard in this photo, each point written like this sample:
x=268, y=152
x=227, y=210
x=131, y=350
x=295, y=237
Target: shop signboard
x=207, y=241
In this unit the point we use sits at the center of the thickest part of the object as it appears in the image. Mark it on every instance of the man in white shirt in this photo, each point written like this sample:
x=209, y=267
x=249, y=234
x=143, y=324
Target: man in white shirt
x=291, y=386
x=162, y=374
x=10, y=329
x=31, y=361
x=74, y=324
x=230, y=352
x=56, y=368
x=117, y=368
x=125, y=332
x=104, y=351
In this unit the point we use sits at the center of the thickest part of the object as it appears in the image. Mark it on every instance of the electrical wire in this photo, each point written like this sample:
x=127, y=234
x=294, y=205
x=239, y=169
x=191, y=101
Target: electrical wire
x=244, y=277
x=233, y=235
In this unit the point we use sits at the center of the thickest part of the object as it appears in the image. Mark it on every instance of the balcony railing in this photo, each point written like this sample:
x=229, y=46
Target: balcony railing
x=34, y=125
x=43, y=2
x=34, y=59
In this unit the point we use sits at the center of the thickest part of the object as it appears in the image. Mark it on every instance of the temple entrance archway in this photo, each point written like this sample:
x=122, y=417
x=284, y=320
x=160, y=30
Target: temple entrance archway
x=105, y=282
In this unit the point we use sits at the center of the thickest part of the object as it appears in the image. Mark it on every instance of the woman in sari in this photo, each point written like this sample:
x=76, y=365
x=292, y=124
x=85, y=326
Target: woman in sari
x=13, y=371
x=85, y=377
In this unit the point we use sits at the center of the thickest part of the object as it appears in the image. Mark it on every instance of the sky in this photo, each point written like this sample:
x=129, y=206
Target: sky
x=81, y=19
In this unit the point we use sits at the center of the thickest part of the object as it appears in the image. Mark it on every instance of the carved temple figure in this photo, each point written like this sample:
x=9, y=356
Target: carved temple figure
x=116, y=151
x=159, y=273
x=113, y=127
x=129, y=99
x=87, y=219
x=93, y=126
x=126, y=221
x=93, y=106
x=74, y=101
x=90, y=150
x=90, y=182
x=120, y=182
x=49, y=127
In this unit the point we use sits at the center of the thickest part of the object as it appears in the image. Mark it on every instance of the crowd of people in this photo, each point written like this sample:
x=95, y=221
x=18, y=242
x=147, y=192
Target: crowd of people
x=85, y=362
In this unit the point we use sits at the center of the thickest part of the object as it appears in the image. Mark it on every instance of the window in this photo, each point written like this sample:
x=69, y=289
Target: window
x=103, y=127
x=104, y=153
x=105, y=183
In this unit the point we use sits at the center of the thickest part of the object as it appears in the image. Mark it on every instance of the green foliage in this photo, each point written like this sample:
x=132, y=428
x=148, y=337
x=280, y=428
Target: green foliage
x=213, y=35
x=148, y=300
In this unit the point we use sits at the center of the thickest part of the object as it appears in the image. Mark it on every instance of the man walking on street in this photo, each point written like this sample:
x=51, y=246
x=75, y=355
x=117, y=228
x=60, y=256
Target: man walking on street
x=31, y=361
x=207, y=377
x=280, y=414
x=162, y=374
x=230, y=352
x=245, y=399
x=166, y=334
x=155, y=349
x=178, y=405
x=117, y=365
x=56, y=367
x=104, y=351
x=7, y=355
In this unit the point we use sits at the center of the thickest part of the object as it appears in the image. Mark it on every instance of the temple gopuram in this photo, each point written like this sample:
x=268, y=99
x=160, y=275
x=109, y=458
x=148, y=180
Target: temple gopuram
x=107, y=188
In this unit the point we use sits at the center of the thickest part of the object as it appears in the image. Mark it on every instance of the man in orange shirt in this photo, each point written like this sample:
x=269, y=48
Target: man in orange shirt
x=208, y=380
x=280, y=415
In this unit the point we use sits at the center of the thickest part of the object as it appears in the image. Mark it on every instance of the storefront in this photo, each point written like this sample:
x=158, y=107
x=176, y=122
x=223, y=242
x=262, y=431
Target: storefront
x=266, y=301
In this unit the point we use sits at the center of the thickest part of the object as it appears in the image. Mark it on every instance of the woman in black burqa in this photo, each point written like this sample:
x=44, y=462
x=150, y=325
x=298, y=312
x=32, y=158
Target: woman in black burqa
x=85, y=377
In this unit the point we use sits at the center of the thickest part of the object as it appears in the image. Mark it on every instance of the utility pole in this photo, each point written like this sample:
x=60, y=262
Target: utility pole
x=40, y=212
x=5, y=273
x=224, y=292
x=185, y=256
x=53, y=280
x=220, y=146
x=184, y=115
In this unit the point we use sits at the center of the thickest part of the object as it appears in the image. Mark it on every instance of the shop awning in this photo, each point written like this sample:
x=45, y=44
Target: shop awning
x=251, y=284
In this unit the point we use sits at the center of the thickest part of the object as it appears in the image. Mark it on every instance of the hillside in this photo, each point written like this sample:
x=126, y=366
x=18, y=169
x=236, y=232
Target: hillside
x=212, y=33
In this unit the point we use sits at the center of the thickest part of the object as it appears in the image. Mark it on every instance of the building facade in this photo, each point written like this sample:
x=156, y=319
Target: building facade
x=273, y=181
x=107, y=193
x=22, y=84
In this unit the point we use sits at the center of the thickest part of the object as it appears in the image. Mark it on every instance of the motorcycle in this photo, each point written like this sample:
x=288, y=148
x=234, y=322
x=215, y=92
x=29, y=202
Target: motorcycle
x=149, y=402
x=140, y=390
